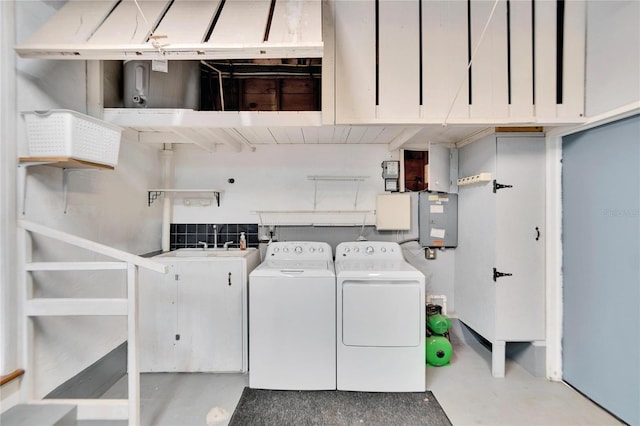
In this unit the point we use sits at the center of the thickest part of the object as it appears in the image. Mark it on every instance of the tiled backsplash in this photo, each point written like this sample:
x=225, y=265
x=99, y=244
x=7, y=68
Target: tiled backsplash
x=187, y=235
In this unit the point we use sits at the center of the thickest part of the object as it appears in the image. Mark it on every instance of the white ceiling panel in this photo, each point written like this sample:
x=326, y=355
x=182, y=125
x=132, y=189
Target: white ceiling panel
x=371, y=134
x=294, y=20
x=387, y=134
x=74, y=22
x=311, y=134
x=125, y=25
x=287, y=135
x=208, y=128
x=187, y=21
x=241, y=21
x=117, y=30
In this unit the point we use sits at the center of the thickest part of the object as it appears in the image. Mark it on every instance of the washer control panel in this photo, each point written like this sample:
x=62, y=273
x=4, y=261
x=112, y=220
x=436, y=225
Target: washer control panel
x=369, y=250
x=299, y=250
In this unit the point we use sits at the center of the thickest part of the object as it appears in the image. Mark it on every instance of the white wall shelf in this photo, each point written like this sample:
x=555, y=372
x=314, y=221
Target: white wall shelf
x=204, y=195
x=63, y=162
x=67, y=164
x=316, y=217
x=317, y=179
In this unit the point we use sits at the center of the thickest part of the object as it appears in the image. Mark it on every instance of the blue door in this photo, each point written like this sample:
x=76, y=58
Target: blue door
x=601, y=234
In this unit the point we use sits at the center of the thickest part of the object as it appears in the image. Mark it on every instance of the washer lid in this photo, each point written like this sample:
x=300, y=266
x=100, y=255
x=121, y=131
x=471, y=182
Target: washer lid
x=294, y=268
x=297, y=264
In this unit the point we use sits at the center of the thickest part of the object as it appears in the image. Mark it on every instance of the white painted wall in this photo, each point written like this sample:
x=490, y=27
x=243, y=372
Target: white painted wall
x=8, y=340
x=613, y=55
x=105, y=206
x=274, y=177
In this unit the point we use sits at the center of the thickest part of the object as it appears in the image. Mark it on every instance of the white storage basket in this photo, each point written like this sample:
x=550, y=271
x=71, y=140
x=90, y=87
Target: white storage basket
x=65, y=133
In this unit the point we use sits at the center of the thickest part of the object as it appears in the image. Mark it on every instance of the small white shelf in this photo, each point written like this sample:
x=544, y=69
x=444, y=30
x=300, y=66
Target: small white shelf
x=316, y=217
x=479, y=178
x=67, y=164
x=317, y=179
x=338, y=178
x=186, y=194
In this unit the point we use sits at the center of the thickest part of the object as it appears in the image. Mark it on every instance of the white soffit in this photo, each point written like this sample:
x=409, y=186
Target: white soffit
x=180, y=29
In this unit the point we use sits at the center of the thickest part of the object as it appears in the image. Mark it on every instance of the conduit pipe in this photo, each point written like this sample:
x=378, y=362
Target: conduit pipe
x=167, y=182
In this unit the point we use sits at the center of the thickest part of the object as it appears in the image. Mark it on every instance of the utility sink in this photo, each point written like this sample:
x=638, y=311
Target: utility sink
x=198, y=252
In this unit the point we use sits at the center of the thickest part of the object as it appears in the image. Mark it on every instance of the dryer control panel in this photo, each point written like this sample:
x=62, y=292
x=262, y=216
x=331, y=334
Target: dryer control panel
x=286, y=250
x=369, y=250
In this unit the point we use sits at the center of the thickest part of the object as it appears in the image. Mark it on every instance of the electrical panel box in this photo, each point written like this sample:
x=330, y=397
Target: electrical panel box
x=393, y=212
x=438, y=219
x=391, y=175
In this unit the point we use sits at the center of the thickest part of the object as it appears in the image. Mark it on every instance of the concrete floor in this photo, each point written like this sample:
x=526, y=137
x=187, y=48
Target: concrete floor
x=466, y=391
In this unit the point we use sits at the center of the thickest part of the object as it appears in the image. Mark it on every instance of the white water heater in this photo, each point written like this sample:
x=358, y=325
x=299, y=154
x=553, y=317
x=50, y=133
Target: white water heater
x=179, y=87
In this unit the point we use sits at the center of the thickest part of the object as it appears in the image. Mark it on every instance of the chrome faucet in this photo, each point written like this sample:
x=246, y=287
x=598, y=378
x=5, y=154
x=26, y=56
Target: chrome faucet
x=215, y=236
x=204, y=244
x=226, y=245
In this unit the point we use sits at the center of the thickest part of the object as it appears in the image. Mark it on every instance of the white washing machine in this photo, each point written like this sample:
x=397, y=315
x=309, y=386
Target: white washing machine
x=380, y=319
x=292, y=318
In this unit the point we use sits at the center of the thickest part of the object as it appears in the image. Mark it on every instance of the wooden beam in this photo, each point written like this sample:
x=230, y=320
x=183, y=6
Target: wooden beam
x=165, y=119
x=403, y=138
x=195, y=137
x=226, y=138
x=475, y=137
x=195, y=51
x=525, y=129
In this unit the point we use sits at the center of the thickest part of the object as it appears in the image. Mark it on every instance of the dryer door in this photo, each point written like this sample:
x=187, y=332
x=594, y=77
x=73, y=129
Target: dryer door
x=381, y=313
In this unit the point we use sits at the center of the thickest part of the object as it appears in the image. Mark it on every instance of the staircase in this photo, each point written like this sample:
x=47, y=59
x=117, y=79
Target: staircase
x=87, y=409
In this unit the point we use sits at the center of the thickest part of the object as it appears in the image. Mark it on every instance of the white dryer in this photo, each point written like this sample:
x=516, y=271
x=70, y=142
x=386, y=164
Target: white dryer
x=292, y=318
x=380, y=319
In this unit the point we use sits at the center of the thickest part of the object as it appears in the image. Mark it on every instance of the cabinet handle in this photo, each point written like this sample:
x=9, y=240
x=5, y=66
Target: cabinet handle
x=229, y=278
x=538, y=233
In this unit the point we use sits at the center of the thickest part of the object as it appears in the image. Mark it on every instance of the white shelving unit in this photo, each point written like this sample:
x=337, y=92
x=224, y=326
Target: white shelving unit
x=205, y=196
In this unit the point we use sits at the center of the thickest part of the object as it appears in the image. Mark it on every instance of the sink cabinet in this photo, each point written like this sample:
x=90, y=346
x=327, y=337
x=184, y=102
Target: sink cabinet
x=194, y=319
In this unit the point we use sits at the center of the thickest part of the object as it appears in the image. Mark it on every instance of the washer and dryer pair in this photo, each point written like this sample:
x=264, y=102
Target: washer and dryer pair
x=356, y=325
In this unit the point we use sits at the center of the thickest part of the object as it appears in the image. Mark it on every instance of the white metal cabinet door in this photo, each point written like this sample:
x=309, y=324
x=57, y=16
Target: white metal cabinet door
x=210, y=316
x=475, y=254
x=520, y=298
x=158, y=315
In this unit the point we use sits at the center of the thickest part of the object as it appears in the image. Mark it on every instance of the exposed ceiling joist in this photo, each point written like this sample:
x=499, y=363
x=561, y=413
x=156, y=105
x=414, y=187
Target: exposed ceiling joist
x=224, y=137
x=403, y=137
x=236, y=135
x=190, y=134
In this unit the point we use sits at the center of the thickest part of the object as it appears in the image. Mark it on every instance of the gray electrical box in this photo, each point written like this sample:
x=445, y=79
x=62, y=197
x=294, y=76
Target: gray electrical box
x=438, y=219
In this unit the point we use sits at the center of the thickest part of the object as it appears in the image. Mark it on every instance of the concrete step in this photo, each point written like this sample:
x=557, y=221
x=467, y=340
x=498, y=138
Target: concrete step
x=40, y=415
